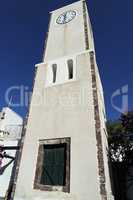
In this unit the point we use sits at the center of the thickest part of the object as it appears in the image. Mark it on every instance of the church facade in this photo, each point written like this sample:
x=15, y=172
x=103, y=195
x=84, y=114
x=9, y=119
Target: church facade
x=64, y=154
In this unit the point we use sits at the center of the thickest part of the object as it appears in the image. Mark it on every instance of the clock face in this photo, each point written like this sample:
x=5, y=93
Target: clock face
x=66, y=17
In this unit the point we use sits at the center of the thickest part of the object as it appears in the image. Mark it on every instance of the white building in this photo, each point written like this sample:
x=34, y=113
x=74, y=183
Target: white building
x=65, y=149
x=10, y=133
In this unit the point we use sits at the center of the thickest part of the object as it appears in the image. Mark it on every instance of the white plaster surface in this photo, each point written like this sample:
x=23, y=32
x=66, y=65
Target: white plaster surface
x=67, y=39
x=64, y=110
x=69, y=112
x=12, y=123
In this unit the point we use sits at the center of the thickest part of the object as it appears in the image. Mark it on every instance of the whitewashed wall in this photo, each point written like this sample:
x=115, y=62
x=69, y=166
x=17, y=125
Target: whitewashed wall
x=65, y=109
x=12, y=124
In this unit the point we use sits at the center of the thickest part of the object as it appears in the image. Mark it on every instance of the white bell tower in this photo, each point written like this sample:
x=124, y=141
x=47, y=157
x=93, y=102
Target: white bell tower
x=64, y=155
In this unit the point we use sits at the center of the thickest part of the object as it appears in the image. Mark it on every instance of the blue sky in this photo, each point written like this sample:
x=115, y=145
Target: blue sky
x=22, y=34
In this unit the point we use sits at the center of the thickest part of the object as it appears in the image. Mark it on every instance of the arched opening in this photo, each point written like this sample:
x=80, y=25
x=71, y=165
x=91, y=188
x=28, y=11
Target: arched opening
x=54, y=68
x=70, y=68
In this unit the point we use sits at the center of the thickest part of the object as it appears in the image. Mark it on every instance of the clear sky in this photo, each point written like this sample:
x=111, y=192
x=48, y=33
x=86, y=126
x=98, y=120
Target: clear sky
x=23, y=27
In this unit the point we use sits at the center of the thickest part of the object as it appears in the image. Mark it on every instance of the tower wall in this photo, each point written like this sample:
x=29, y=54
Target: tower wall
x=64, y=107
x=67, y=112
x=70, y=38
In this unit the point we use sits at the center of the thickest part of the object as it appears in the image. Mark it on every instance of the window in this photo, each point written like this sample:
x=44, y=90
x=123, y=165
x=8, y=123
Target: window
x=70, y=69
x=53, y=165
x=54, y=68
x=60, y=71
x=54, y=162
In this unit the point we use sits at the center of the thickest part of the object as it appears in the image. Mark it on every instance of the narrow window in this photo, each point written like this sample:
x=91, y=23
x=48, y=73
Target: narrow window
x=70, y=69
x=53, y=165
x=54, y=68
